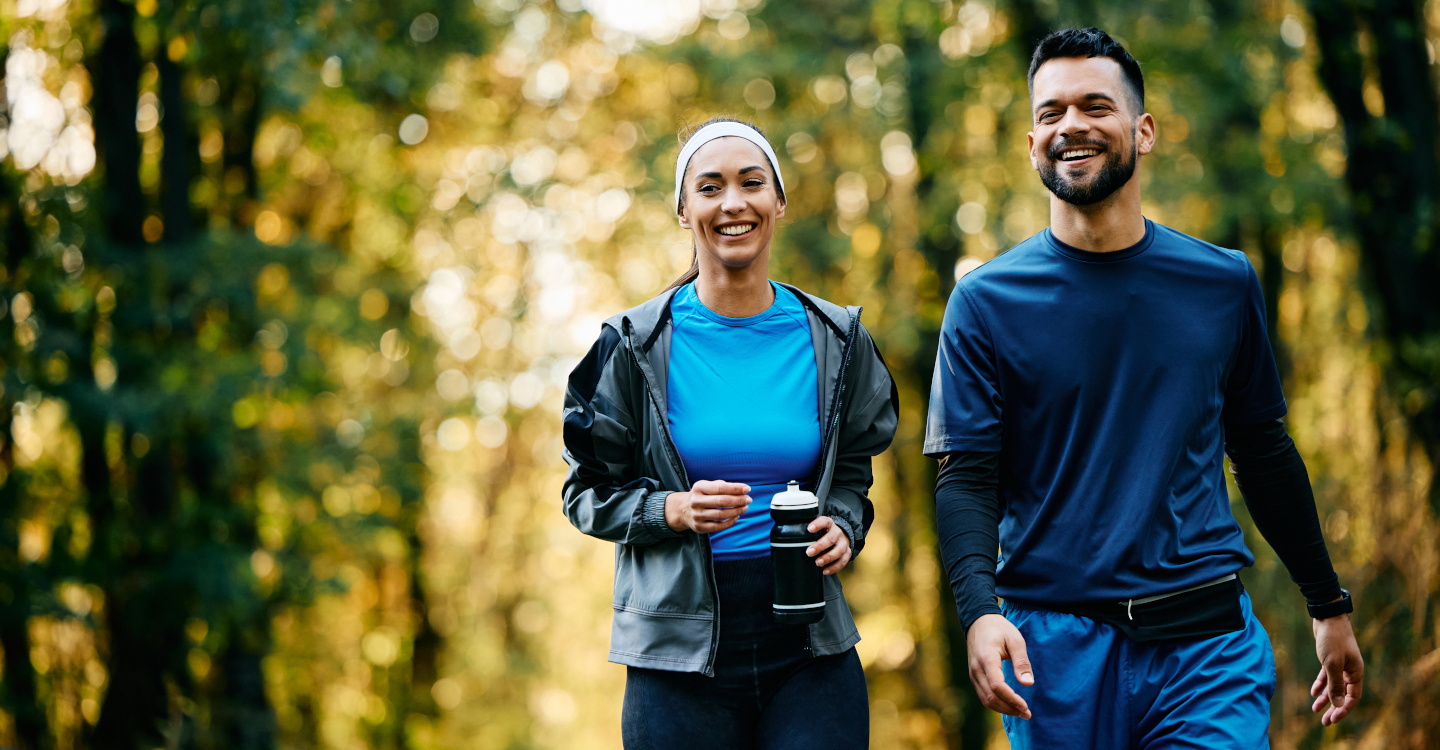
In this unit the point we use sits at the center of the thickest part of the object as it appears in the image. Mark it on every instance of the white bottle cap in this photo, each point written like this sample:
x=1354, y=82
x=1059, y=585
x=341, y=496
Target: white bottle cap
x=794, y=498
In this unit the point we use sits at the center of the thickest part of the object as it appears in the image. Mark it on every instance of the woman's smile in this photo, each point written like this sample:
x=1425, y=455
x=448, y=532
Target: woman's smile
x=736, y=230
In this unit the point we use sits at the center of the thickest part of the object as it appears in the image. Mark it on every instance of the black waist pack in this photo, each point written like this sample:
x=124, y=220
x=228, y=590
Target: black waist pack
x=1202, y=613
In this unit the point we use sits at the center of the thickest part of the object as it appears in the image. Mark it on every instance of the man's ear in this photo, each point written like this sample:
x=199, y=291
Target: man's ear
x=1030, y=145
x=1144, y=134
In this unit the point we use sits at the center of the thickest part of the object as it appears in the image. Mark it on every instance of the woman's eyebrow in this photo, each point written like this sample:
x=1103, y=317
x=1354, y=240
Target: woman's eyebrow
x=717, y=175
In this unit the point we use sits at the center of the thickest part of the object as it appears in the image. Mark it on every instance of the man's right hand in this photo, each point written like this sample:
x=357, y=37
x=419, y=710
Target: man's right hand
x=991, y=640
x=708, y=507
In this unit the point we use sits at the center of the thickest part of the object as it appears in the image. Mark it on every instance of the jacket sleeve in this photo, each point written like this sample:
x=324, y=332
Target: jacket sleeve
x=866, y=429
x=605, y=495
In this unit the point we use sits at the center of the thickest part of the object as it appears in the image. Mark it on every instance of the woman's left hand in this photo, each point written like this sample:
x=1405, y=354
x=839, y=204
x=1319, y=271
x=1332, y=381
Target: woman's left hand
x=831, y=551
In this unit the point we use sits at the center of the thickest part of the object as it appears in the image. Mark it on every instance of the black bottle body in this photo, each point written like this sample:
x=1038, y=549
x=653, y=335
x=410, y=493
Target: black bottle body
x=799, y=582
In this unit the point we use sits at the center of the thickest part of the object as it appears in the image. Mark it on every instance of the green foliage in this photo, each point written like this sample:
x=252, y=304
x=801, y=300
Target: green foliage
x=282, y=365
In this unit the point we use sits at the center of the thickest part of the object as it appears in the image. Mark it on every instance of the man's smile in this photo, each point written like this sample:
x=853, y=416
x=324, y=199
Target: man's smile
x=1078, y=153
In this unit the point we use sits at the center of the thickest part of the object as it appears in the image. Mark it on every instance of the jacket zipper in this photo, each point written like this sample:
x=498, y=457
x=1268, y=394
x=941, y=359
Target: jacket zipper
x=679, y=466
x=836, y=402
x=670, y=450
x=833, y=426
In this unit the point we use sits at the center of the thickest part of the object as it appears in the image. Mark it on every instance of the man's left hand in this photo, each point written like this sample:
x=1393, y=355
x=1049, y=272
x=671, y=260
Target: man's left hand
x=1341, y=669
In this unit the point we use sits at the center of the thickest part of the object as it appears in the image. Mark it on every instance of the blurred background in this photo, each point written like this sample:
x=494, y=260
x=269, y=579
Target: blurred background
x=291, y=289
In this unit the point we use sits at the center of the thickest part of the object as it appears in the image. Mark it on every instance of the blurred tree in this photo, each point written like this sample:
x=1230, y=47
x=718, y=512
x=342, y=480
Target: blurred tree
x=154, y=332
x=1375, y=62
x=284, y=350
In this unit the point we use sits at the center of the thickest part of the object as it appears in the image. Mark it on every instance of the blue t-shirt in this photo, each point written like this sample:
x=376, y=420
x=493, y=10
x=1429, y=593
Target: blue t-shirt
x=1103, y=380
x=744, y=406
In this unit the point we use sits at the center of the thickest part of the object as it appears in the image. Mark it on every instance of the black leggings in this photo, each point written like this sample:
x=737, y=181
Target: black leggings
x=768, y=693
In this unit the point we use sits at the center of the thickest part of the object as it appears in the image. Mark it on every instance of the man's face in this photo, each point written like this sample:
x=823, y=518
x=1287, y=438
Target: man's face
x=1088, y=133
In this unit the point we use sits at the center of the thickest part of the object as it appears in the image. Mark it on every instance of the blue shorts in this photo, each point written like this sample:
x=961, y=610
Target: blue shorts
x=1095, y=688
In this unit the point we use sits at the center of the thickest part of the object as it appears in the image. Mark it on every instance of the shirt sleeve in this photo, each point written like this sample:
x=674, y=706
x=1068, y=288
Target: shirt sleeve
x=1252, y=392
x=965, y=398
x=1272, y=478
x=967, y=516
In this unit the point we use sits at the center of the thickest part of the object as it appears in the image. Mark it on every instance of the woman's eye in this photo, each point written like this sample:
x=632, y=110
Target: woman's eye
x=754, y=183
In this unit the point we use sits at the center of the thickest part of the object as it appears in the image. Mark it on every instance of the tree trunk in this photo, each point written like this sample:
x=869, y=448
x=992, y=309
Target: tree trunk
x=244, y=122
x=18, y=693
x=1392, y=174
x=115, y=71
x=143, y=619
x=177, y=162
x=144, y=615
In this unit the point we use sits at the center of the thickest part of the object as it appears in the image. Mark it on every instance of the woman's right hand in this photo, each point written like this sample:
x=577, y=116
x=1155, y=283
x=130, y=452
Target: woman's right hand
x=708, y=507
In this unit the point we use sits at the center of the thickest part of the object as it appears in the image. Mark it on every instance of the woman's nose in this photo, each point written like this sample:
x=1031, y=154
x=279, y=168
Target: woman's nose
x=733, y=201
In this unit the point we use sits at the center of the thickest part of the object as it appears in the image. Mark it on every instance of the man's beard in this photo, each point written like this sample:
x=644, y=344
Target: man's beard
x=1113, y=175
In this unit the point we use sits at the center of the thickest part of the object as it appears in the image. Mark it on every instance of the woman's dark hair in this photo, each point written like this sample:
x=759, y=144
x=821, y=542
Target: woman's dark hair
x=684, y=136
x=1090, y=42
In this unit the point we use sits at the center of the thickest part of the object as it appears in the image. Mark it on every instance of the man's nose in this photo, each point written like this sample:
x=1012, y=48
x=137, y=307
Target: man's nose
x=1073, y=123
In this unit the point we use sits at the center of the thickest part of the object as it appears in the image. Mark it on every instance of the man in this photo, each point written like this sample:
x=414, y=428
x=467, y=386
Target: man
x=1086, y=386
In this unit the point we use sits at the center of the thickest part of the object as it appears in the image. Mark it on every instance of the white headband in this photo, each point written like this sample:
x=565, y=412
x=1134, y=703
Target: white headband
x=721, y=130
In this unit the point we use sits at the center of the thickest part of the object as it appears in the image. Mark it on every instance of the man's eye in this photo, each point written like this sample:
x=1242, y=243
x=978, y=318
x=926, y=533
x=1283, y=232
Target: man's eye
x=1048, y=117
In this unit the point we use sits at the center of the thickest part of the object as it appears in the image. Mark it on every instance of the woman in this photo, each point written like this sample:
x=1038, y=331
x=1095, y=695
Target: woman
x=739, y=384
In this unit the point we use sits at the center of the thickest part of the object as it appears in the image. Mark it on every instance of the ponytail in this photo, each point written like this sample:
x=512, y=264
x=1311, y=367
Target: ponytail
x=690, y=275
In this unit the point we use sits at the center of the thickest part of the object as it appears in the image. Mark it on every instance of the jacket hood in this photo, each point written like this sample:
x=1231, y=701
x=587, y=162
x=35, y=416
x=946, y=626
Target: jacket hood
x=648, y=318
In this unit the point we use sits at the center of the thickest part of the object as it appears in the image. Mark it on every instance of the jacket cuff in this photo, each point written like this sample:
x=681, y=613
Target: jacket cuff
x=652, y=516
x=849, y=534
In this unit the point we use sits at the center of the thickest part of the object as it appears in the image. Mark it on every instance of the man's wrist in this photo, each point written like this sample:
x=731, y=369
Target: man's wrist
x=1341, y=606
x=969, y=618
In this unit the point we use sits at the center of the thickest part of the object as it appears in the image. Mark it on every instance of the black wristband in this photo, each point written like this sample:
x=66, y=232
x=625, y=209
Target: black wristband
x=1341, y=606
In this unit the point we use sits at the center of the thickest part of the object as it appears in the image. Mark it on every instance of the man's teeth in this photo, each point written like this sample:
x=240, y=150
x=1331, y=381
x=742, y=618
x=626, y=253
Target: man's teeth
x=1079, y=154
x=737, y=229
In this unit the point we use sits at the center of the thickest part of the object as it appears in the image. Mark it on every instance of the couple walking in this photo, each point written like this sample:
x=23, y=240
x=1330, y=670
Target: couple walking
x=1087, y=384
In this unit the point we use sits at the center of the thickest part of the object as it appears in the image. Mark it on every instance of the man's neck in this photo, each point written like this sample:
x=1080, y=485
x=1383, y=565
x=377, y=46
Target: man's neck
x=1112, y=224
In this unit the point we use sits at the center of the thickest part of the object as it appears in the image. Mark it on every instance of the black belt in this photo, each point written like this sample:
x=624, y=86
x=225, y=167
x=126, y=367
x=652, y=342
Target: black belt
x=1203, y=611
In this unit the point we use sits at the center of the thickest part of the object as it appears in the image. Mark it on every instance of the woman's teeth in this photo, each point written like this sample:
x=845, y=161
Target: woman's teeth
x=738, y=229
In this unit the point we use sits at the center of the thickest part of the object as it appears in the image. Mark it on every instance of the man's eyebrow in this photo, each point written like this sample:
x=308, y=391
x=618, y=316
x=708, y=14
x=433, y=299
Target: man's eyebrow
x=1090, y=97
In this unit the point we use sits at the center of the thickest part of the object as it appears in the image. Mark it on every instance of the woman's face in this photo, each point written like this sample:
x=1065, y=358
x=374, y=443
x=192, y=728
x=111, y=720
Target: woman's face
x=731, y=202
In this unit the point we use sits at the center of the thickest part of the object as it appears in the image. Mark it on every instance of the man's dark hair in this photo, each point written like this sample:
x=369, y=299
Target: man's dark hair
x=1090, y=42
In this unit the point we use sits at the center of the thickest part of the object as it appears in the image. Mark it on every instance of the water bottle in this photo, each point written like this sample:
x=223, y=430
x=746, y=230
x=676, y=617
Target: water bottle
x=799, y=583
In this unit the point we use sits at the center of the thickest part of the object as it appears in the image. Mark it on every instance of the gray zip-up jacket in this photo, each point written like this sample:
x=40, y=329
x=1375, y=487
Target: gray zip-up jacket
x=623, y=465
